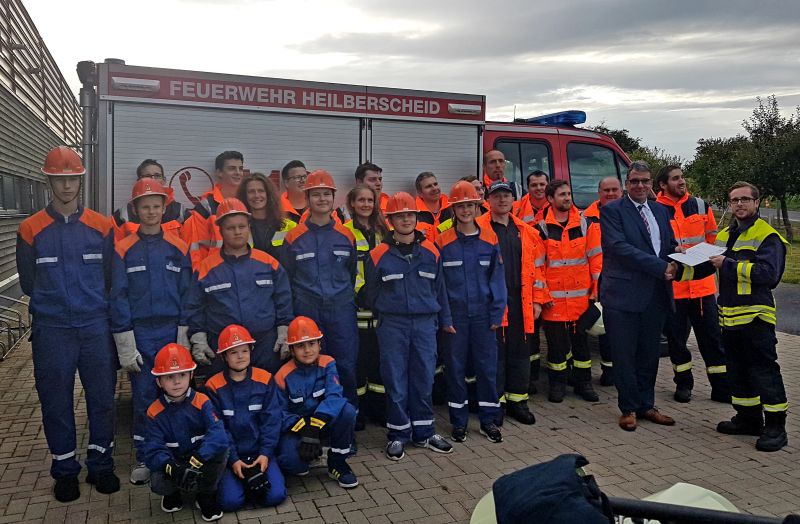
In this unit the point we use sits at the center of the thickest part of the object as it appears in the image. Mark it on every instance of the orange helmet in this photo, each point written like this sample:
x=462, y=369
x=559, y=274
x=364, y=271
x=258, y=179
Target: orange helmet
x=302, y=329
x=319, y=179
x=147, y=186
x=231, y=206
x=234, y=336
x=63, y=161
x=463, y=191
x=172, y=358
x=400, y=202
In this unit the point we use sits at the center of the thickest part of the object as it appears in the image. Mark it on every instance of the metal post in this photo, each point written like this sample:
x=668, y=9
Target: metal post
x=87, y=73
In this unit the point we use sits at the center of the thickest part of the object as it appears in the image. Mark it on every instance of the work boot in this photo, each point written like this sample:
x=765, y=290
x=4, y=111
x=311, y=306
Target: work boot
x=557, y=392
x=742, y=425
x=720, y=391
x=774, y=436
x=586, y=391
x=105, y=482
x=67, y=489
x=682, y=395
x=519, y=411
x=607, y=376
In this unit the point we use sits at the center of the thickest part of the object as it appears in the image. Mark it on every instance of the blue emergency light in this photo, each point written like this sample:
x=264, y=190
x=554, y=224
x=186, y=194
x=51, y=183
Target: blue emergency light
x=562, y=118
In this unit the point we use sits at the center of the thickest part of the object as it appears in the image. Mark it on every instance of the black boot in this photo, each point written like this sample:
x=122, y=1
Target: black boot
x=720, y=391
x=67, y=489
x=682, y=395
x=519, y=411
x=774, y=436
x=747, y=421
x=586, y=391
x=607, y=377
x=557, y=391
x=360, y=421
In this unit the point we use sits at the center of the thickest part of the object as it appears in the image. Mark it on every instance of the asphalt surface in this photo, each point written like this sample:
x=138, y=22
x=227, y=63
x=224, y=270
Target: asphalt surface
x=787, y=298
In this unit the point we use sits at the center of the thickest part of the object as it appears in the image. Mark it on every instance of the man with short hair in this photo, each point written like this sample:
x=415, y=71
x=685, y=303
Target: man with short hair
x=200, y=230
x=636, y=293
x=608, y=189
x=531, y=207
x=293, y=200
x=371, y=176
x=432, y=204
x=692, y=222
x=494, y=169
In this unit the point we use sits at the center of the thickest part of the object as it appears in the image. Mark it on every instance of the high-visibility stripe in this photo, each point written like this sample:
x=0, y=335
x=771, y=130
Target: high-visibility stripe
x=594, y=251
x=439, y=369
x=687, y=274
x=93, y=256
x=691, y=240
x=425, y=274
x=278, y=237
x=712, y=370
x=394, y=276
x=376, y=388
x=749, y=401
x=361, y=391
x=341, y=451
x=564, y=262
x=516, y=397
x=217, y=287
x=341, y=253
x=539, y=284
x=172, y=444
x=317, y=423
x=562, y=366
x=746, y=245
x=539, y=261
x=318, y=393
x=569, y=294
x=64, y=456
x=582, y=364
x=776, y=408
x=364, y=324
x=471, y=380
x=135, y=269
x=680, y=368
x=47, y=260
x=138, y=437
x=741, y=315
x=362, y=244
x=254, y=407
x=453, y=263
x=398, y=428
x=172, y=267
x=458, y=405
x=296, y=400
x=606, y=364
x=489, y=404
x=743, y=283
x=595, y=276
x=300, y=424
x=484, y=262
x=227, y=412
x=303, y=256
x=528, y=218
x=194, y=246
x=364, y=314
x=422, y=422
x=535, y=356
x=569, y=356
x=266, y=282
x=196, y=438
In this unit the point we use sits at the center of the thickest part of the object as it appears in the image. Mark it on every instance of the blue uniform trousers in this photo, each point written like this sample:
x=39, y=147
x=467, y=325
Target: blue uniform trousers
x=231, y=491
x=408, y=362
x=338, y=432
x=338, y=323
x=57, y=354
x=476, y=343
x=150, y=338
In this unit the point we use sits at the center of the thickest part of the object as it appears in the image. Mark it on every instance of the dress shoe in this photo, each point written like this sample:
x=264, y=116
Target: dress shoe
x=519, y=411
x=656, y=417
x=682, y=395
x=628, y=421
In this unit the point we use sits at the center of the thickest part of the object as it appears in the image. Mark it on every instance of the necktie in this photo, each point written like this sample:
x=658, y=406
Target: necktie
x=644, y=219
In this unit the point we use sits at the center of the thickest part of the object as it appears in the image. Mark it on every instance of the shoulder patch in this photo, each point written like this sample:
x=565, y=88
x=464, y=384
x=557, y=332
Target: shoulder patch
x=264, y=258
x=378, y=252
x=346, y=232
x=155, y=408
x=33, y=225
x=488, y=235
x=261, y=375
x=427, y=244
x=199, y=400
x=324, y=360
x=285, y=371
x=292, y=235
x=173, y=239
x=123, y=246
x=446, y=237
x=216, y=382
x=96, y=221
x=213, y=260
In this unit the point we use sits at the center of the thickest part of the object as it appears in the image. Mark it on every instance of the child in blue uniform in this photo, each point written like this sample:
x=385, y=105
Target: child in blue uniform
x=314, y=407
x=185, y=444
x=247, y=399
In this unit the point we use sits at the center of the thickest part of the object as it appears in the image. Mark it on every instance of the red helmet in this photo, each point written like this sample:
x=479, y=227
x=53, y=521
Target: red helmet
x=234, y=336
x=63, y=161
x=463, y=191
x=147, y=186
x=302, y=329
x=319, y=179
x=400, y=202
x=173, y=358
x=231, y=206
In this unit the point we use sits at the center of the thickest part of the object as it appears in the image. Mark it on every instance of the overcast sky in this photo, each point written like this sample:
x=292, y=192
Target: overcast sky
x=670, y=72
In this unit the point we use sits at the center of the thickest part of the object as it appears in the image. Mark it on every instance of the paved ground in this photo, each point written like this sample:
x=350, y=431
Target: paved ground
x=787, y=299
x=433, y=488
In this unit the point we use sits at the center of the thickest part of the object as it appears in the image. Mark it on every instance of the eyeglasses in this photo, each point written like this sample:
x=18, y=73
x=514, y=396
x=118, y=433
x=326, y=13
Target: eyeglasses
x=640, y=181
x=298, y=178
x=742, y=200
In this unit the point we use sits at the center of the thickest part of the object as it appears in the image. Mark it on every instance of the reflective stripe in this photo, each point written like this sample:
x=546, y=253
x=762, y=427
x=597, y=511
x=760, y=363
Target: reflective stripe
x=317, y=423
x=535, y=356
x=569, y=355
x=394, y=276
x=300, y=424
x=453, y=263
x=569, y=294
x=194, y=246
x=439, y=370
x=46, y=260
x=539, y=284
x=227, y=412
x=363, y=324
x=361, y=391
x=606, y=364
x=404, y=426
x=364, y=314
x=427, y=275
x=255, y=407
x=743, y=270
x=422, y=422
x=595, y=276
x=318, y=393
x=776, y=408
x=528, y=218
x=691, y=240
x=296, y=400
x=217, y=287
x=138, y=437
x=458, y=405
x=539, y=261
x=64, y=456
x=680, y=368
x=101, y=449
x=711, y=370
x=172, y=444
x=196, y=438
x=582, y=364
x=687, y=274
x=215, y=243
x=750, y=401
x=484, y=262
x=594, y=251
x=376, y=388
x=489, y=404
x=341, y=451
x=303, y=256
x=741, y=315
x=516, y=397
x=135, y=269
x=277, y=238
x=471, y=380
x=557, y=367
x=746, y=244
x=93, y=256
x=342, y=253
x=562, y=262
x=266, y=282
x=362, y=244
x=173, y=267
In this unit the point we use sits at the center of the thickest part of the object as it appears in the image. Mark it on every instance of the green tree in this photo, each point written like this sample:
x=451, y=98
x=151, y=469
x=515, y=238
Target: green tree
x=718, y=163
x=656, y=158
x=623, y=137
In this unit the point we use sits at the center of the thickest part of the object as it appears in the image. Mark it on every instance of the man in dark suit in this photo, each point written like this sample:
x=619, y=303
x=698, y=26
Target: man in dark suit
x=636, y=292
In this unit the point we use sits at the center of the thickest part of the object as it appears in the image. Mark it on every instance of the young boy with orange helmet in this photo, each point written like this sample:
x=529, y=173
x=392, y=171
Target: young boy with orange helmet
x=247, y=399
x=315, y=407
x=185, y=445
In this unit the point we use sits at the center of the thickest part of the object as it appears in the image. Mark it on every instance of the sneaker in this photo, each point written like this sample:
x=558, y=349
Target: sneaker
x=459, y=434
x=172, y=503
x=209, y=508
x=492, y=433
x=140, y=474
x=395, y=450
x=340, y=471
x=104, y=482
x=67, y=489
x=435, y=443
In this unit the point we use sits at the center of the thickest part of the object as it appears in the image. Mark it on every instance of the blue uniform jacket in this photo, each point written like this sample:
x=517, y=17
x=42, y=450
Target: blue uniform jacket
x=150, y=280
x=251, y=290
x=251, y=412
x=473, y=273
x=322, y=261
x=312, y=390
x=407, y=286
x=178, y=430
x=64, y=265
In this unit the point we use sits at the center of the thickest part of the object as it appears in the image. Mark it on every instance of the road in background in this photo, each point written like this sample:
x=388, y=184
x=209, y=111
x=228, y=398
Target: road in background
x=787, y=299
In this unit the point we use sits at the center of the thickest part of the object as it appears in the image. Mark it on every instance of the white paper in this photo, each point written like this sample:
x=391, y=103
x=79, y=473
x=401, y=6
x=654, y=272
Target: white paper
x=698, y=254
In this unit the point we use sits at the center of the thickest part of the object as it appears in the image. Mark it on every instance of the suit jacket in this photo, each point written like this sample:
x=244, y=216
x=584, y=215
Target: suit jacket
x=632, y=271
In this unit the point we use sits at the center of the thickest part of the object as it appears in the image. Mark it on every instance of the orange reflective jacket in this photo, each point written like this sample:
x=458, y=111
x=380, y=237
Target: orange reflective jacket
x=692, y=222
x=572, y=265
x=525, y=210
x=200, y=229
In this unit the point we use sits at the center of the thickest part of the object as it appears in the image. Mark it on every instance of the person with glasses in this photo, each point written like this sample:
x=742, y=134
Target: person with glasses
x=293, y=200
x=125, y=219
x=636, y=240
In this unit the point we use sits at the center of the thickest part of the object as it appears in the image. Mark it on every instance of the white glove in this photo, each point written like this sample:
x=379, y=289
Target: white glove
x=201, y=351
x=129, y=357
x=280, y=343
x=183, y=336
